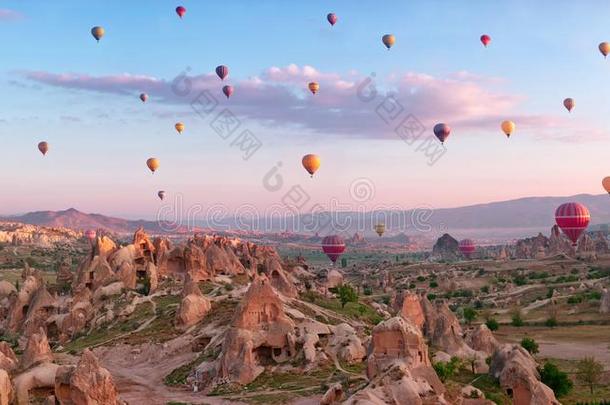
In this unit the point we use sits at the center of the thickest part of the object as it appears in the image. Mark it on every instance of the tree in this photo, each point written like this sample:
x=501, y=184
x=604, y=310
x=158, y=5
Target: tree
x=530, y=345
x=492, y=324
x=589, y=372
x=446, y=370
x=556, y=379
x=346, y=294
x=516, y=317
x=469, y=315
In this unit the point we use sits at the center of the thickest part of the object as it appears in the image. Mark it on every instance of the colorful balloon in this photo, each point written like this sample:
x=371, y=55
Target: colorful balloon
x=573, y=218
x=222, y=71
x=98, y=33
x=380, y=229
x=485, y=39
x=388, y=40
x=333, y=246
x=90, y=234
x=181, y=11
x=442, y=131
x=467, y=247
x=179, y=127
x=153, y=164
x=508, y=127
x=313, y=87
x=161, y=195
x=227, y=90
x=43, y=147
x=569, y=103
x=606, y=184
x=604, y=48
x=143, y=97
x=311, y=163
x=332, y=18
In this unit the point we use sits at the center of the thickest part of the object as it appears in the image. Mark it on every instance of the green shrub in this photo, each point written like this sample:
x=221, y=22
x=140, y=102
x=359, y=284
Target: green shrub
x=555, y=379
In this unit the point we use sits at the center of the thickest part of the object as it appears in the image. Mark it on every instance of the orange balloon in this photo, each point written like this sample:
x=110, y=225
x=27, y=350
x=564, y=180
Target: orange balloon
x=606, y=184
x=388, y=40
x=153, y=164
x=311, y=163
x=179, y=127
x=43, y=147
x=313, y=87
x=569, y=103
x=604, y=48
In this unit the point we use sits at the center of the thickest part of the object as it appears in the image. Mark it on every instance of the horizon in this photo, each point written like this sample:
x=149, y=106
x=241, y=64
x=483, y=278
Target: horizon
x=82, y=97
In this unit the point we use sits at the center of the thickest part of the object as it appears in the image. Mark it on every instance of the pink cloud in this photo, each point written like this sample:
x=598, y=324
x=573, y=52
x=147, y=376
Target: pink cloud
x=343, y=106
x=9, y=15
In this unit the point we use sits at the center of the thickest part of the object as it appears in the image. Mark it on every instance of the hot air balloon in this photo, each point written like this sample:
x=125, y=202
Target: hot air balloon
x=606, y=184
x=90, y=234
x=311, y=163
x=604, y=48
x=43, y=147
x=485, y=40
x=573, y=218
x=380, y=229
x=508, y=127
x=227, y=90
x=442, y=131
x=332, y=18
x=569, y=103
x=313, y=87
x=153, y=164
x=98, y=33
x=388, y=40
x=143, y=97
x=161, y=195
x=333, y=246
x=467, y=247
x=179, y=127
x=181, y=11
x=222, y=71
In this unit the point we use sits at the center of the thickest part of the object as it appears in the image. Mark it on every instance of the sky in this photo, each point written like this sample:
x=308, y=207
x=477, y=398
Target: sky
x=59, y=85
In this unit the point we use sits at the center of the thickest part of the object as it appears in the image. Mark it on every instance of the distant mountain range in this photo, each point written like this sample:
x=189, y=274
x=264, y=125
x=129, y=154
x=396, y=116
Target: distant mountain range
x=502, y=219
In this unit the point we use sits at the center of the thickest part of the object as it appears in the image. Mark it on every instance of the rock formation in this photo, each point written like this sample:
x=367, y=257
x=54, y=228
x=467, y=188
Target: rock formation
x=409, y=306
x=333, y=279
x=345, y=345
x=481, y=339
x=8, y=360
x=446, y=248
x=6, y=388
x=517, y=372
x=604, y=306
x=193, y=306
x=332, y=396
x=86, y=383
x=37, y=350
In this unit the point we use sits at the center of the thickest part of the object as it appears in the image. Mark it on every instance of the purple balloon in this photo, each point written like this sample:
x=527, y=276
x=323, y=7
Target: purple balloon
x=222, y=71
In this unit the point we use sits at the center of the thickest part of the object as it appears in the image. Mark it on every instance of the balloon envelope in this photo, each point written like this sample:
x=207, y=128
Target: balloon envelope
x=143, y=97
x=485, y=39
x=606, y=183
x=333, y=246
x=508, y=127
x=313, y=87
x=181, y=11
x=388, y=40
x=332, y=18
x=604, y=48
x=380, y=229
x=90, y=234
x=43, y=147
x=442, y=131
x=98, y=33
x=573, y=218
x=311, y=163
x=161, y=195
x=569, y=103
x=179, y=127
x=467, y=247
x=227, y=90
x=153, y=164
x=222, y=71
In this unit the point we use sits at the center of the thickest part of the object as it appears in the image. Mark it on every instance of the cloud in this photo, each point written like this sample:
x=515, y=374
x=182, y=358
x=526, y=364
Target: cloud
x=10, y=15
x=349, y=105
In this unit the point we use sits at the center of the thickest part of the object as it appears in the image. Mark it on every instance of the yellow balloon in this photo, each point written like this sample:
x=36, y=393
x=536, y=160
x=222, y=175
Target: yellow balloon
x=508, y=127
x=98, y=33
x=153, y=164
x=311, y=163
x=388, y=40
x=313, y=87
x=604, y=48
x=606, y=184
x=179, y=127
x=380, y=229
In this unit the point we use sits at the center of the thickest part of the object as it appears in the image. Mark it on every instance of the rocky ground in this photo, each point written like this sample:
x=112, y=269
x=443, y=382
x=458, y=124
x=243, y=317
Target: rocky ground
x=215, y=320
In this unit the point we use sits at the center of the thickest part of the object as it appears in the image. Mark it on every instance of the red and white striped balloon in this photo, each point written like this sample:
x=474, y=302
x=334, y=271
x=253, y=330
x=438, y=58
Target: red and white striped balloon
x=467, y=247
x=333, y=246
x=573, y=218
